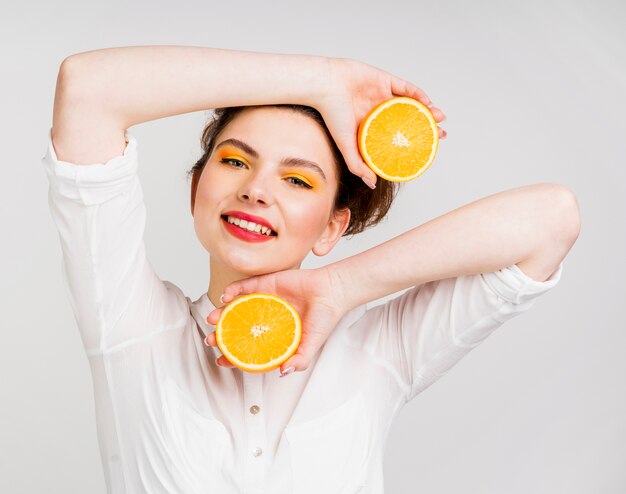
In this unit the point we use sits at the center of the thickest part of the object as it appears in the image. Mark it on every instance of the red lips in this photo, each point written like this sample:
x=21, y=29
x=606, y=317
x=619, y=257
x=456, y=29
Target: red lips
x=243, y=233
x=249, y=217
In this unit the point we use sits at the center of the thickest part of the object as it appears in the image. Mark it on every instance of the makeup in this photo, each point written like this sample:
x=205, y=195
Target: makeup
x=231, y=154
x=313, y=184
x=245, y=235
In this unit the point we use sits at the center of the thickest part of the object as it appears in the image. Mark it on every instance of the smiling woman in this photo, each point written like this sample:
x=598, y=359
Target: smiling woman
x=276, y=181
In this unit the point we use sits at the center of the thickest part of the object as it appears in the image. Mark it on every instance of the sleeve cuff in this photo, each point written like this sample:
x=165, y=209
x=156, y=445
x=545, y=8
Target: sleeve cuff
x=513, y=285
x=94, y=183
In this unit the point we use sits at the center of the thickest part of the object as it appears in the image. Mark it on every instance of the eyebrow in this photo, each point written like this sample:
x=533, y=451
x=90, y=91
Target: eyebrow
x=289, y=161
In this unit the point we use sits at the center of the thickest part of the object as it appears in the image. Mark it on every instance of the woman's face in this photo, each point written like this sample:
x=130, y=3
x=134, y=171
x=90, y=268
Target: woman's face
x=276, y=165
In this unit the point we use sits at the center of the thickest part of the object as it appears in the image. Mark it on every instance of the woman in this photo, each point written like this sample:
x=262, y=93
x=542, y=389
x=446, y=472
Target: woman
x=170, y=419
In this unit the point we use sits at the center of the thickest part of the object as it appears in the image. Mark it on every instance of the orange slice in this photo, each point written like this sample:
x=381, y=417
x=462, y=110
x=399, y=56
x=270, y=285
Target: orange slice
x=258, y=332
x=398, y=139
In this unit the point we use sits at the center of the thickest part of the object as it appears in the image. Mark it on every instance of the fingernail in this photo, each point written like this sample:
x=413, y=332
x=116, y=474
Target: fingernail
x=368, y=183
x=216, y=362
x=206, y=342
x=222, y=298
x=288, y=370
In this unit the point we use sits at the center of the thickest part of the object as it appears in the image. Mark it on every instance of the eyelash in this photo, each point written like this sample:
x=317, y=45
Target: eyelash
x=300, y=183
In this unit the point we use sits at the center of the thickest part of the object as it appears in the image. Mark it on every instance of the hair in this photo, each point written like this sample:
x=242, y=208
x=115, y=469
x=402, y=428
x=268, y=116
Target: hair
x=367, y=207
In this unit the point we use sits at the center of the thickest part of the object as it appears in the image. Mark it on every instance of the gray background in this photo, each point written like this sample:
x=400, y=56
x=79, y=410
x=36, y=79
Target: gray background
x=533, y=93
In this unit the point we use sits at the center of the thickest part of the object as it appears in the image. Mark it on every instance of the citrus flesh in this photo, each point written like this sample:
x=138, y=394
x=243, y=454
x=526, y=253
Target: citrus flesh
x=258, y=332
x=398, y=139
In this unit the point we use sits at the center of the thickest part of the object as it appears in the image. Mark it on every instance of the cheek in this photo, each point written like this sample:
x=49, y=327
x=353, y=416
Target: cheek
x=309, y=218
x=207, y=200
x=207, y=195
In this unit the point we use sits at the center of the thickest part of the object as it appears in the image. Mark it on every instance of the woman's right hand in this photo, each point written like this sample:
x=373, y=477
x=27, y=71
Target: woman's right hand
x=353, y=89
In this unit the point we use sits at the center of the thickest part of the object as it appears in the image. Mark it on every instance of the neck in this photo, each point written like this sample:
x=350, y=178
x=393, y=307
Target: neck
x=222, y=276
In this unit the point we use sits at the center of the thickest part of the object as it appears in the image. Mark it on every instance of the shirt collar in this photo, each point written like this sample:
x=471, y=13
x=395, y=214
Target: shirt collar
x=200, y=309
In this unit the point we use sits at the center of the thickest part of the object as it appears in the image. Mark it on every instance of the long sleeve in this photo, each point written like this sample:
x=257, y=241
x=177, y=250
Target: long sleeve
x=424, y=332
x=100, y=216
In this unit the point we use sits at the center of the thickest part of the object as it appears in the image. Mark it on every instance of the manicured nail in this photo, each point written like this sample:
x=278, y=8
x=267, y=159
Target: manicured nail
x=206, y=341
x=369, y=183
x=216, y=362
x=288, y=370
x=222, y=298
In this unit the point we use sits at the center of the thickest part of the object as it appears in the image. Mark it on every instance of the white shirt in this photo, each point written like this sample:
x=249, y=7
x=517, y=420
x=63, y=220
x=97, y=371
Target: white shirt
x=171, y=421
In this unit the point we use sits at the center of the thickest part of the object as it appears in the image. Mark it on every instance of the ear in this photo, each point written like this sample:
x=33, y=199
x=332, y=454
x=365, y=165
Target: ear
x=332, y=233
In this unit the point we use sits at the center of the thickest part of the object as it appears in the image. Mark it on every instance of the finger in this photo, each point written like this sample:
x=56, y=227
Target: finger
x=307, y=349
x=210, y=339
x=356, y=164
x=437, y=114
x=297, y=361
x=223, y=362
x=241, y=287
x=214, y=316
x=400, y=87
x=442, y=133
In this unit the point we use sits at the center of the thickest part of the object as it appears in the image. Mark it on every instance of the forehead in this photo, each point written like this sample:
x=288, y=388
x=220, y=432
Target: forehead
x=277, y=133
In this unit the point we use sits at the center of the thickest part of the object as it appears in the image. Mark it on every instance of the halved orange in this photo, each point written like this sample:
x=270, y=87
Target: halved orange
x=398, y=139
x=258, y=332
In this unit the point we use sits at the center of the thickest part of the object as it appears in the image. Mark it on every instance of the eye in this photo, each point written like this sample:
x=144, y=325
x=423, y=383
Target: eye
x=299, y=183
x=230, y=161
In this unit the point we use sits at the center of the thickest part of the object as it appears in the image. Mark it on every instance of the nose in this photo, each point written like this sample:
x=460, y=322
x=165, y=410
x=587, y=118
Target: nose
x=256, y=189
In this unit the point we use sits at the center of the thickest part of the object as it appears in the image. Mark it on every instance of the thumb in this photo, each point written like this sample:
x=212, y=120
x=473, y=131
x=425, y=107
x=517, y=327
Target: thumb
x=240, y=287
x=303, y=357
x=355, y=163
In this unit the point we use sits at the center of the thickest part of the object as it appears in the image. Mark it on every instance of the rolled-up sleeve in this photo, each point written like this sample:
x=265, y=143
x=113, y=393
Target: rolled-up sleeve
x=425, y=331
x=100, y=216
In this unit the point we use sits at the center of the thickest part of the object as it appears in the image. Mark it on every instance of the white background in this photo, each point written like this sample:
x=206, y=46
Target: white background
x=533, y=92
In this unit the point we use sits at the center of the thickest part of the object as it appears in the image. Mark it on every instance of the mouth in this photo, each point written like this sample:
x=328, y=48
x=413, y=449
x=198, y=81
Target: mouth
x=247, y=230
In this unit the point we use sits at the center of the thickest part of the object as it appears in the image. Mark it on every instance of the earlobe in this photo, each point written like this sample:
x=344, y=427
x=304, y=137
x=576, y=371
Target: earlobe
x=333, y=232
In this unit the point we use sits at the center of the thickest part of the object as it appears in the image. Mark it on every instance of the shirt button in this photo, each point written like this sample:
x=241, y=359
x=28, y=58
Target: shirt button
x=257, y=452
x=254, y=409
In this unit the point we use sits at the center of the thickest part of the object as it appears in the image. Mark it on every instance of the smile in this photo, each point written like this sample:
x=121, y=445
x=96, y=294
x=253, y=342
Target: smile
x=248, y=231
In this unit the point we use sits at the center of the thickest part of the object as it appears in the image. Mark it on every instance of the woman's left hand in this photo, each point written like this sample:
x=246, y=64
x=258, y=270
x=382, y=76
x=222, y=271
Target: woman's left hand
x=314, y=295
x=352, y=90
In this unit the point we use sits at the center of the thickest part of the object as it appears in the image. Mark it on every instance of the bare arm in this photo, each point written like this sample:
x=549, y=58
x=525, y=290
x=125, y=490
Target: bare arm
x=101, y=93
x=533, y=226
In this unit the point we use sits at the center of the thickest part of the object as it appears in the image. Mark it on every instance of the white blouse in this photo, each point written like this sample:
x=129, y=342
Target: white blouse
x=171, y=421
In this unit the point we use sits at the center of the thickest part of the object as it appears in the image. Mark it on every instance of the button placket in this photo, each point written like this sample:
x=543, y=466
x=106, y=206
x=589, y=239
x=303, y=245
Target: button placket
x=256, y=434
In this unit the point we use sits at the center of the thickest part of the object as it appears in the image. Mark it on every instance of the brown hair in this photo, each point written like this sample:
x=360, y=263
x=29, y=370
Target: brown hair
x=367, y=207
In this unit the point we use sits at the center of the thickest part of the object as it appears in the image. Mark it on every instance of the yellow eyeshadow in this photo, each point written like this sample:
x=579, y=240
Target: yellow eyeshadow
x=312, y=183
x=229, y=154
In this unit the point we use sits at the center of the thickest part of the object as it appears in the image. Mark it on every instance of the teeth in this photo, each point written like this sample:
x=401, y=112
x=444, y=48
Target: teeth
x=250, y=226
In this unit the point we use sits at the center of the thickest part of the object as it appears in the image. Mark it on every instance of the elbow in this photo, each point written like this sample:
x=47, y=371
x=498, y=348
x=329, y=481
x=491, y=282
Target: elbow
x=67, y=77
x=568, y=218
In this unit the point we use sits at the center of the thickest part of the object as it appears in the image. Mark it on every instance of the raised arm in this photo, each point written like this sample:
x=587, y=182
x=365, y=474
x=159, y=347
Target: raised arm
x=101, y=93
x=533, y=226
